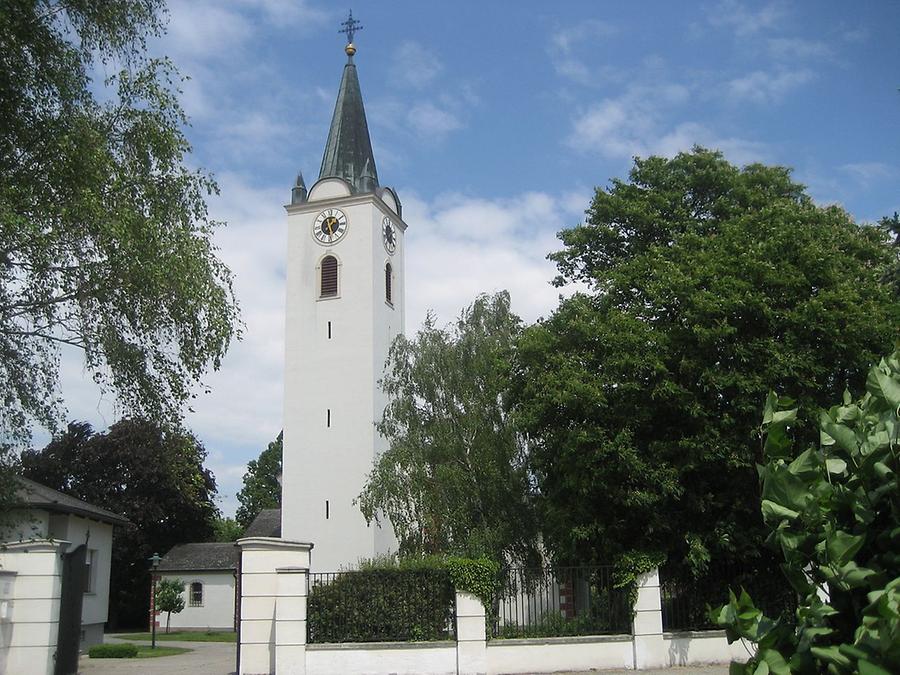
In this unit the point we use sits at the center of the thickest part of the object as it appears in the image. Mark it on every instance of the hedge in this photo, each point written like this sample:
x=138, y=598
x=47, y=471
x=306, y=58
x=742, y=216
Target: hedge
x=382, y=604
x=125, y=650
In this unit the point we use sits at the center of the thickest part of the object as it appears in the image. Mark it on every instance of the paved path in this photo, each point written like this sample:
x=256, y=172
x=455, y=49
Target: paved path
x=207, y=658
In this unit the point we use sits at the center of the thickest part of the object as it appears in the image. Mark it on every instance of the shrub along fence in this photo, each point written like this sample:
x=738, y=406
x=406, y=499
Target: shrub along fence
x=381, y=605
x=562, y=601
x=686, y=601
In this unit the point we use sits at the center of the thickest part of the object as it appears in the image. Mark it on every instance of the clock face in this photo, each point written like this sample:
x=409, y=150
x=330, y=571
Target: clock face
x=389, y=235
x=330, y=226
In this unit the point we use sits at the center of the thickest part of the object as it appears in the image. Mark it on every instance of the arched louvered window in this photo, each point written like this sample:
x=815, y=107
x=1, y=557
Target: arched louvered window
x=329, y=281
x=388, y=280
x=196, y=594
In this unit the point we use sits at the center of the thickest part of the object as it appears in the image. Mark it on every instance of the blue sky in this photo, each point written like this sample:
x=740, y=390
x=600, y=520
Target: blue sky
x=495, y=121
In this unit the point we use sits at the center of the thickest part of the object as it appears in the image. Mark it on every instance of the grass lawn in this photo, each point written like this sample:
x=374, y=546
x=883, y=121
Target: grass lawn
x=183, y=636
x=145, y=651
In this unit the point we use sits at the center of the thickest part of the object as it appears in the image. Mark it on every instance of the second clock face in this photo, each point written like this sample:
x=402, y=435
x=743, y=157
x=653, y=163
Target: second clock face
x=389, y=235
x=330, y=226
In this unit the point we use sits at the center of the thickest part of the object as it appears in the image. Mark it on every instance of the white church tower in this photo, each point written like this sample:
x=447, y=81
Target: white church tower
x=345, y=305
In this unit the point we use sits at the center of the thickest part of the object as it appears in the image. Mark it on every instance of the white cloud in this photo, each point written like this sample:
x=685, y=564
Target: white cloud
x=798, y=49
x=429, y=121
x=765, y=87
x=458, y=247
x=744, y=20
x=415, y=65
x=868, y=173
x=567, y=44
x=639, y=123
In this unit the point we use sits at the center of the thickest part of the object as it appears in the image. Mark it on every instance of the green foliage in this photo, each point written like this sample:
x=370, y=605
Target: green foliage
x=707, y=284
x=479, y=577
x=160, y=486
x=891, y=227
x=552, y=624
x=454, y=479
x=412, y=601
x=113, y=651
x=227, y=529
x=185, y=636
x=105, y=241
x=261, y=489
x=169, y=598
x=833, y=513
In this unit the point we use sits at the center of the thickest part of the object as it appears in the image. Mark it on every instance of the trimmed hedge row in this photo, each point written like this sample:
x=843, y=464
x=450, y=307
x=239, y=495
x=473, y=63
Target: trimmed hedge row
x=382, y=604
x=125, y=650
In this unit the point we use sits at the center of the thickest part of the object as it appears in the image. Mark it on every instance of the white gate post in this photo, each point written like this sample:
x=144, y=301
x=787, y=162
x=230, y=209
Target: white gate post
x=290, y=621
x=471, y=636
x=649, y=648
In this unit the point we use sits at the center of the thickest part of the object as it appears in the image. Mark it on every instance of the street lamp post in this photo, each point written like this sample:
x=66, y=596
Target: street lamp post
x=154, y=564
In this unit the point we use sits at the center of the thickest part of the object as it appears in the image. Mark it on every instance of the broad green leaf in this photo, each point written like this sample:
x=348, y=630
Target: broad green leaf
x=831, y=655
x=777, y=664
x=842, y=547
x=835, y=465
x=771, y=510
x=868, y=668
x=882, y=385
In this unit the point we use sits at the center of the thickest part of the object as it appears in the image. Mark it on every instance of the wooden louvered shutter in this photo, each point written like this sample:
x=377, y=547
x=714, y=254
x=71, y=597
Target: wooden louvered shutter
x=329, y=277
x=388, y=274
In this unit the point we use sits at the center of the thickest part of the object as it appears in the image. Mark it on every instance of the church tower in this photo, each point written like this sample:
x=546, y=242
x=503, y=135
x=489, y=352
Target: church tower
x=345, y=305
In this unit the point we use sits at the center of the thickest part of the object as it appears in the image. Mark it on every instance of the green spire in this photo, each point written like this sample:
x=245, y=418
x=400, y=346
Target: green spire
x=348, y=152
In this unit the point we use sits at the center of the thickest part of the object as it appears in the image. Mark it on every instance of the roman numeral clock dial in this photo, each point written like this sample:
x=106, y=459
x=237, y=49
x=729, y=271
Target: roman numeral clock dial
x=330, y=226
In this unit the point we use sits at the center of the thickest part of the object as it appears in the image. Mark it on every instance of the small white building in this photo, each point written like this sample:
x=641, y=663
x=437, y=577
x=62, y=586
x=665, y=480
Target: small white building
x=32, y=550
x=208, y=571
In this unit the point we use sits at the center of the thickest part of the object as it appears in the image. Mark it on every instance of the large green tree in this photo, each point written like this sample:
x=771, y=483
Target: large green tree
x=153, y=476
x=708, y=285
x=105, y=243
x=261, y=489
x=454, y=478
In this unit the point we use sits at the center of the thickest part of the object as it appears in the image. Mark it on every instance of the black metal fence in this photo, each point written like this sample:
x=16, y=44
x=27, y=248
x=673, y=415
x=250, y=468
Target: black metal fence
x=559, y=601
x=686, y=601
x=381, y=605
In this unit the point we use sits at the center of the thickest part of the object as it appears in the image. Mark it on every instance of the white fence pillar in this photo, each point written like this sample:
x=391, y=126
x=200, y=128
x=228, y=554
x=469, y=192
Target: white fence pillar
x=267, y=569
x=649, y=647
x=471, y=635
x=31, y=625
x=290, y=621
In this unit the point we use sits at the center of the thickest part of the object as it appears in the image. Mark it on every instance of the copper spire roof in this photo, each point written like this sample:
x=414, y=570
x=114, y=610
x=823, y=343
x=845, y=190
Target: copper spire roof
x=348, y=152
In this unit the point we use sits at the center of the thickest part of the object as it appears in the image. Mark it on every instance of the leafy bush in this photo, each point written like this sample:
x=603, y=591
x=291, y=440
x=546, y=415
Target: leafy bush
x=125, y=650
x=477, y=576
x=389, y=602
x=834, y=512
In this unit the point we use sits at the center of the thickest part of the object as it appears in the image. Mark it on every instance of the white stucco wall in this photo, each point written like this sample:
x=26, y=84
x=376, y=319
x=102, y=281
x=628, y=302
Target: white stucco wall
x=40, y=524
x=696, y=647
x=217, y=611
x=339, y=373
x=405, y=658
x=95, y=607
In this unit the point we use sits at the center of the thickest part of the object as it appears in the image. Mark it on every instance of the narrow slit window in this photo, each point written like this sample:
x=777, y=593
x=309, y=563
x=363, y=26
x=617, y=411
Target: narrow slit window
x=329, y=284
x=327, y=510
x=388, y=279
x=329, y=330
x=328, y=417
